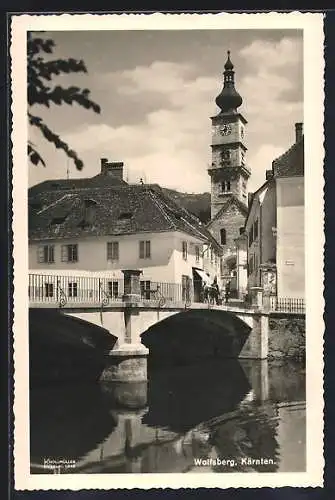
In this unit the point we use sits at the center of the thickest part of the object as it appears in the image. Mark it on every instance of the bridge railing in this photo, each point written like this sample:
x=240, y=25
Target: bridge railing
x=55, y=289
x=287, y=305
x=78, y=289
x=167, y=292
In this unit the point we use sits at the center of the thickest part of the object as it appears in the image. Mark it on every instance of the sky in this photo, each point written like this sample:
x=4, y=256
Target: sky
x=157, y=93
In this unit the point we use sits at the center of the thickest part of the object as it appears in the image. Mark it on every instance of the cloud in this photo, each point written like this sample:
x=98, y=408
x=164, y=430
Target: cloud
x=160, y=76
x=170, y=143
x=272, y=79
x=261, y=160
x=268, y=54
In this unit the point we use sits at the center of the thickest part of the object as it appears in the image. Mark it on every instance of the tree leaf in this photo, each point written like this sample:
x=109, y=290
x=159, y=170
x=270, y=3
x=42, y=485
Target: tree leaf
x=38, y=69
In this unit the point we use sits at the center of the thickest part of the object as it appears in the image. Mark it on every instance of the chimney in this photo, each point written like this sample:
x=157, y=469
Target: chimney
x=299, y=131
x=103, y=162
x=114, y=169
x=268, y=174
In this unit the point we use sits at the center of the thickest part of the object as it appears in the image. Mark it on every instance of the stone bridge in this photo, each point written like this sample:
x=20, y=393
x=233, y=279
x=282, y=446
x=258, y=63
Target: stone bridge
x=172, y=331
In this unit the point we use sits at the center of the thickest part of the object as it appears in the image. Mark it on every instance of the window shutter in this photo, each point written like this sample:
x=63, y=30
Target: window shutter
x=109, y=250
x=40, y=254
x=141, y=249
x=75, y=253
x=147, y=249
x=51, y=253
x=116, y=250
x=64, y=254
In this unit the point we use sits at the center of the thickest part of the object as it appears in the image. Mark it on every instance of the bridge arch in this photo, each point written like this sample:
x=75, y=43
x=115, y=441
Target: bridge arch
x=66, y=348
x=196, y=334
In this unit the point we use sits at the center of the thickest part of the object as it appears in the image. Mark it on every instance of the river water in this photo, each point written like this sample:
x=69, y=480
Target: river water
x=223, y=416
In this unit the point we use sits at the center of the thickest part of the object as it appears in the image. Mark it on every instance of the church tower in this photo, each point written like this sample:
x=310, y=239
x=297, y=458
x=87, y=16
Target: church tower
x=228, y=171
x=229, y=175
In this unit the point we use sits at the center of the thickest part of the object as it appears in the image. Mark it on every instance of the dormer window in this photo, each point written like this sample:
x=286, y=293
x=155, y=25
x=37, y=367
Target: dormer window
x=125, y=215
x=56, y=221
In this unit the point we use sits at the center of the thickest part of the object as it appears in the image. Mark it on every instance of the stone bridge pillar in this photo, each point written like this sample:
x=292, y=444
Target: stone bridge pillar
x=257, y=344
x=127, y=363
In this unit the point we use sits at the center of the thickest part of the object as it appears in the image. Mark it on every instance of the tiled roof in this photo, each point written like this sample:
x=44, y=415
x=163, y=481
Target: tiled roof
x=70, y=184
x=291, y=163
x=97, y=211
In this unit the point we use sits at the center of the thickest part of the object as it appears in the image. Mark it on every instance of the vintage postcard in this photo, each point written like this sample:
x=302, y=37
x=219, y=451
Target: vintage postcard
x=168, y=250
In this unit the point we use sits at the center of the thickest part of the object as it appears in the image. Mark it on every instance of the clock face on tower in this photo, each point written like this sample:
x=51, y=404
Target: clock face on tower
x=225, y=129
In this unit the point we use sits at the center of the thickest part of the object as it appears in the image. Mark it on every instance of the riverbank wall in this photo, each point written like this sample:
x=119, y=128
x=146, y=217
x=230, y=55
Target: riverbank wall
x=287, y=336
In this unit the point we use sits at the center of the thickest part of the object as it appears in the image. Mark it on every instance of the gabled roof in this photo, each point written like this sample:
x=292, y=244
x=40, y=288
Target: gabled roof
x=232, y=200
x=70, y=184
x=256, y=197
x=116, y=210
x=291, y=163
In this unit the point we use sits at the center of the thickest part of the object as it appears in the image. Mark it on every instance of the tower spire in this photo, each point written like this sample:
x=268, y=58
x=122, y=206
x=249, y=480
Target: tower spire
x=229, y=99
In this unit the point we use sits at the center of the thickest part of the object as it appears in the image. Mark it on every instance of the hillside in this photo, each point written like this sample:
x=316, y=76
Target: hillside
x=199, y=203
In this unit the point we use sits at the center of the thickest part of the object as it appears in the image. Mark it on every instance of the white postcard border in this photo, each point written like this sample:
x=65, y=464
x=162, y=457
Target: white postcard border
x=312, y=25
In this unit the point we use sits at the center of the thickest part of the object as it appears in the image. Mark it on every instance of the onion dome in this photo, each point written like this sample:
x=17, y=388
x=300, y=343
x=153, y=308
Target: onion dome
x=229, y=65
x=229, y=99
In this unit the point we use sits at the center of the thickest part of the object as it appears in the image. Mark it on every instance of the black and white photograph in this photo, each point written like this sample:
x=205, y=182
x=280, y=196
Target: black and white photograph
x=168, y=274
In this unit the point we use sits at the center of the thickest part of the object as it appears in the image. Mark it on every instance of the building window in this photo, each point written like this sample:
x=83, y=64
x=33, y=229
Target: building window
x=223, y=236
x=113, y=288
x=49, y=290
x=73, y=289
x=251, y=236
x=241, y=230
x=70, y=253
x=250, y=266
x=225, y=186
x=46, y=254
x=197, y=253
x=145, y=249
x=145, y=289
x=184, y=244
x=256, y=229
x=113, y=250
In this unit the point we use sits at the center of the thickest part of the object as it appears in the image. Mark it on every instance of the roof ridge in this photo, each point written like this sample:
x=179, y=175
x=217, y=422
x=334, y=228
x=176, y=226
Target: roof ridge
x=193, y=227
x=198, y=228
x=289, y=150
x=67, y=195
x=231, y=199
x=165, y=215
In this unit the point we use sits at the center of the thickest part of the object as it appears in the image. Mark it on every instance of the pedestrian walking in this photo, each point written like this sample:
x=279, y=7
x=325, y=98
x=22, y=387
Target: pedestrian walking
x=227, y=292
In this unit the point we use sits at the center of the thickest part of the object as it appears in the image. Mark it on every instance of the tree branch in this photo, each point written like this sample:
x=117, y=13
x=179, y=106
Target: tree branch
x=55, y=139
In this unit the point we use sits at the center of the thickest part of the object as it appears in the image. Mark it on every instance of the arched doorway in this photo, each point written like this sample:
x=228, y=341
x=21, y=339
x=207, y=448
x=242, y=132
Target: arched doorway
x=230, y=274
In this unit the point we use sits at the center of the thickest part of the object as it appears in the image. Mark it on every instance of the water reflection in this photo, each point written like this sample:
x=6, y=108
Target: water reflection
x=226, y=416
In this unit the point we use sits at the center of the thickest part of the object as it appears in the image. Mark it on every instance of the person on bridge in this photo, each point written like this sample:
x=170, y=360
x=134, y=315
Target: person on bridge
x=227, y=292
x=216, y=292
